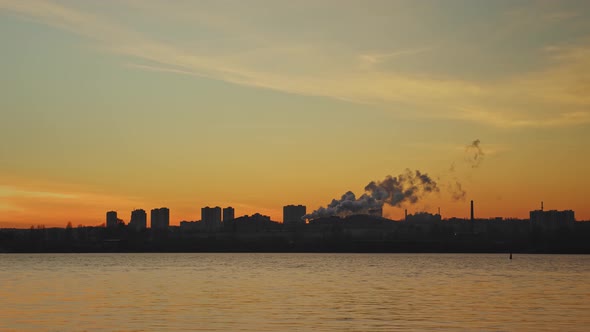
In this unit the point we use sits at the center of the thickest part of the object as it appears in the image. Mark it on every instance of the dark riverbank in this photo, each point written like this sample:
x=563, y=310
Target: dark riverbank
x=330, y=236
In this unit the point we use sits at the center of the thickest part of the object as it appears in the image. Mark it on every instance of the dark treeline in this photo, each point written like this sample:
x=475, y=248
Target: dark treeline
x=352, y=234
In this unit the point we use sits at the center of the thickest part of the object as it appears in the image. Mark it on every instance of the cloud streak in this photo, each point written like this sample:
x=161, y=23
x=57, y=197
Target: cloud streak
x=54, y=206
x=8, y=191
x=552, y=96
x=377, y=58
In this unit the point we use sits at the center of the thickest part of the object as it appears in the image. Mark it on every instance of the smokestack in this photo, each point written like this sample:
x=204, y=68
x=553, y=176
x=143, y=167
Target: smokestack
x=439, y=211
x=406, y=213
x=472, y=210
x=541, y=205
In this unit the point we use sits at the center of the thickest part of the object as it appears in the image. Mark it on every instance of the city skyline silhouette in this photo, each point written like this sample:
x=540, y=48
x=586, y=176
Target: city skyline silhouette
x=219, y=230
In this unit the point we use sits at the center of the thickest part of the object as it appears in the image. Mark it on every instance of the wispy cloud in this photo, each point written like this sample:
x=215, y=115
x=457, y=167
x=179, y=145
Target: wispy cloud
x=7, y=191
x=27, y=192
x=10, y=207
x=376, y=58
x=540, y=15
x=50, y=204
x=553, y=96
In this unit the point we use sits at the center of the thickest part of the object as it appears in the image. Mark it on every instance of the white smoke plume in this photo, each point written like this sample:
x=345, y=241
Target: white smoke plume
x=407, y=187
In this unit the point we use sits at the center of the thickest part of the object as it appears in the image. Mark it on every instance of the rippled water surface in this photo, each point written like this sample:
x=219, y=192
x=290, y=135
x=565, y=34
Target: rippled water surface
x=275, y=292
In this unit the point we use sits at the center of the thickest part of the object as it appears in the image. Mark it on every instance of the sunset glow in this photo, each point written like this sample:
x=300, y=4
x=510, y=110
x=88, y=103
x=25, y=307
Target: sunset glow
x=119, y=105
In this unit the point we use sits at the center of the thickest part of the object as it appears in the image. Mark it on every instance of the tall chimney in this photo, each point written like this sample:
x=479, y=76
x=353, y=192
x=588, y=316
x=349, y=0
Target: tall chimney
x=541, y=205
x=472, y=210
x=439, y=211
x=406, y=213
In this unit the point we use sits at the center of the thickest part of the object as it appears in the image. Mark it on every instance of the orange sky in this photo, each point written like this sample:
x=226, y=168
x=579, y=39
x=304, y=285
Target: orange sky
x=117, y=106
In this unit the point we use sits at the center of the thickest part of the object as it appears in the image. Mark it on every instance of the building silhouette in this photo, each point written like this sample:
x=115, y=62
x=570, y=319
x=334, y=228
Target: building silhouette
x=544, y=232
x=423, y=217
x=260, y=217
x=112, y=220
x=211, y=217
x=138, y=220
x=160, y=218
x=228, y=214
x=552, y=220
x=293, y=214
x=376, y=212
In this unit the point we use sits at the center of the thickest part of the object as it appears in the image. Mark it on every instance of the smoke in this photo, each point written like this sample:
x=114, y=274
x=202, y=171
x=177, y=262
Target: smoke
x=407, y=187
x=348, y=204
x=474, y=154
x=457, y=191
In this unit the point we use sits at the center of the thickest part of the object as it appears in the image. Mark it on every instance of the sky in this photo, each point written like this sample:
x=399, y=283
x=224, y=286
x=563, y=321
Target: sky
x=118, y=105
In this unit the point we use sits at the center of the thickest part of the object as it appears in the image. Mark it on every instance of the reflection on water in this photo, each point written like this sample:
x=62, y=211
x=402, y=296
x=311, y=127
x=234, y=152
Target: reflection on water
x=272, y=292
